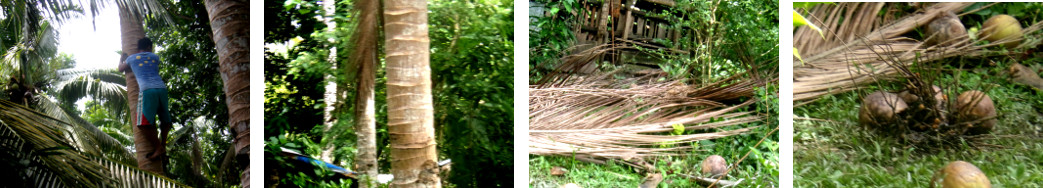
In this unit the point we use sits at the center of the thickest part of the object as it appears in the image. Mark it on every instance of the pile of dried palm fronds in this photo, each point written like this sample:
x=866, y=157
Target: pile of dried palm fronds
x=602, y=117
x=585, y=58
x=859, y=41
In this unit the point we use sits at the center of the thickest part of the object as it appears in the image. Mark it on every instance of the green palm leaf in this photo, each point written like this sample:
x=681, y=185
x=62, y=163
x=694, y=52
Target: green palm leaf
x=119, y=135
x=38, y=141
x=129, y=176
x=107, y=86
x=40, y=136
x=28, y=56
x=88, y=137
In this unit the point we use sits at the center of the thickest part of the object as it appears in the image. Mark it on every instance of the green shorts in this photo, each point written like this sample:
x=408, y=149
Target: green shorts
x=153, y=102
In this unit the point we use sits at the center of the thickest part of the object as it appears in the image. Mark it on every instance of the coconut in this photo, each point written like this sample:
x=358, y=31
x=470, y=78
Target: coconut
x=973, y=106
x=714, y=166
x=945, y=30
x=558, y=171
x=1025, y=75
x=880, y=108
x=1002, y=27
x=651, y=181
x=960, y=174
x=911, y=99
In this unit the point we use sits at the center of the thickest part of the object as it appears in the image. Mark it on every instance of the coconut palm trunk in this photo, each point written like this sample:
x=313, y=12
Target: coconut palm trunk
x=365, y=57
x=230, y=22
x=132, y=30
x=331, y=95
x=410, y=112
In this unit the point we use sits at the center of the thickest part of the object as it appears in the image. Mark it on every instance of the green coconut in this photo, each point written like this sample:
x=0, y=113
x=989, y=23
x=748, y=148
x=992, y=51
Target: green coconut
x=960, y=174
x=1002, y=27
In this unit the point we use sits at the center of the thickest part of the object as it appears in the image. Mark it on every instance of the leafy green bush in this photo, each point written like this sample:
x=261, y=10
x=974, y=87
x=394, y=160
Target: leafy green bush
x=550, y=34
x=473, y=66
x=472, y=76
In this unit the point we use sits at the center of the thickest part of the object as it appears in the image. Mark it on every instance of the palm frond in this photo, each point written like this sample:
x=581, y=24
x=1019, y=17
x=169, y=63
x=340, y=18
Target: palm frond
x=119, y=135
x=596, y=117
x=145, y=9
x=40, y=137
x=104, y=75
x=54, y=162
x=856, y=52
x=185, y=135
x=108, y=86
x=129, y=176
x=88, y=137
x=33, y=50
x=187, y=147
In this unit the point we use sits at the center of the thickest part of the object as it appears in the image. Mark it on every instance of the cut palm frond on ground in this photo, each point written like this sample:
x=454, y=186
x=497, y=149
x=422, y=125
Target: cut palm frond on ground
x=600, y=118
x=860, y=43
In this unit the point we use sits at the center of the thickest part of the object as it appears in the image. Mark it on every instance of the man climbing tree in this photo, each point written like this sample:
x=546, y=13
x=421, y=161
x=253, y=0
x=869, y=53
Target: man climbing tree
x=152, y=100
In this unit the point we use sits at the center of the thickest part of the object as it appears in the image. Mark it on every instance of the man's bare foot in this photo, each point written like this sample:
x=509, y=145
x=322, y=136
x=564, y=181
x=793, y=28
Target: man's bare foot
x=160, y=151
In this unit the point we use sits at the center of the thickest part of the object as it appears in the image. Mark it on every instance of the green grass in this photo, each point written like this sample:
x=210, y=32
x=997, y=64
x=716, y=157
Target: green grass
x=836, y=152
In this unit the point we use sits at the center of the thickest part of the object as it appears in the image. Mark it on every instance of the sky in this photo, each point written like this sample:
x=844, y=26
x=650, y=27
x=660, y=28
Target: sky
x=92, y=48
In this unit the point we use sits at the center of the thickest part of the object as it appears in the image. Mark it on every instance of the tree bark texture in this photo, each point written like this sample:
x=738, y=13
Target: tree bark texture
x=230, y=23
x=365, y=57
x=410, y=110
x=331, y=96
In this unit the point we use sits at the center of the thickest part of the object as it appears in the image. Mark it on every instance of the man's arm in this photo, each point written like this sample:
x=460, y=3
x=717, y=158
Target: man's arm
x=123, y=67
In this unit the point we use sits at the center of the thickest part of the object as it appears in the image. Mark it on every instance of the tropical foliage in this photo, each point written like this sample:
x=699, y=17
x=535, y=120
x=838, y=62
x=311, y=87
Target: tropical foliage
x=655, y=106
x=471, y=64
x=62, y=144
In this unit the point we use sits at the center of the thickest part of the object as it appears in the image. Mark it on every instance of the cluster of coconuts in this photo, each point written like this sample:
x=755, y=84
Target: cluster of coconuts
x=946, y=29
x=973, y=109
x=960, y=174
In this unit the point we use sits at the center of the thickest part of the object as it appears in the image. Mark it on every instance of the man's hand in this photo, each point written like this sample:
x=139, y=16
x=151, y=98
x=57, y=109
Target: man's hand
x=123, y=67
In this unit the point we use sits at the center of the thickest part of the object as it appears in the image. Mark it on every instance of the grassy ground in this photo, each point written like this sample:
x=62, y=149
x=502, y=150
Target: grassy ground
x=832, y=150
x=759, y=169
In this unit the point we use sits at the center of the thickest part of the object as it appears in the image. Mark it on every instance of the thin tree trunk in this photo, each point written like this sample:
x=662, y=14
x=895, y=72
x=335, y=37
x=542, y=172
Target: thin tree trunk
x=132, y=30
x=230, y=22
x=330, y=97
x=410, y=112
x=365, y=57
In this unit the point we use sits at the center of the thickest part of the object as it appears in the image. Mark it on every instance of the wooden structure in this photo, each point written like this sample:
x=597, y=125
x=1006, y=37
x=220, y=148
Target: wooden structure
x=613, y=21
x=633, y=23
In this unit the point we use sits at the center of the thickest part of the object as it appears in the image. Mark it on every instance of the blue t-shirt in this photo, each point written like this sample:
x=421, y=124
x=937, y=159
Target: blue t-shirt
x=146, y=68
